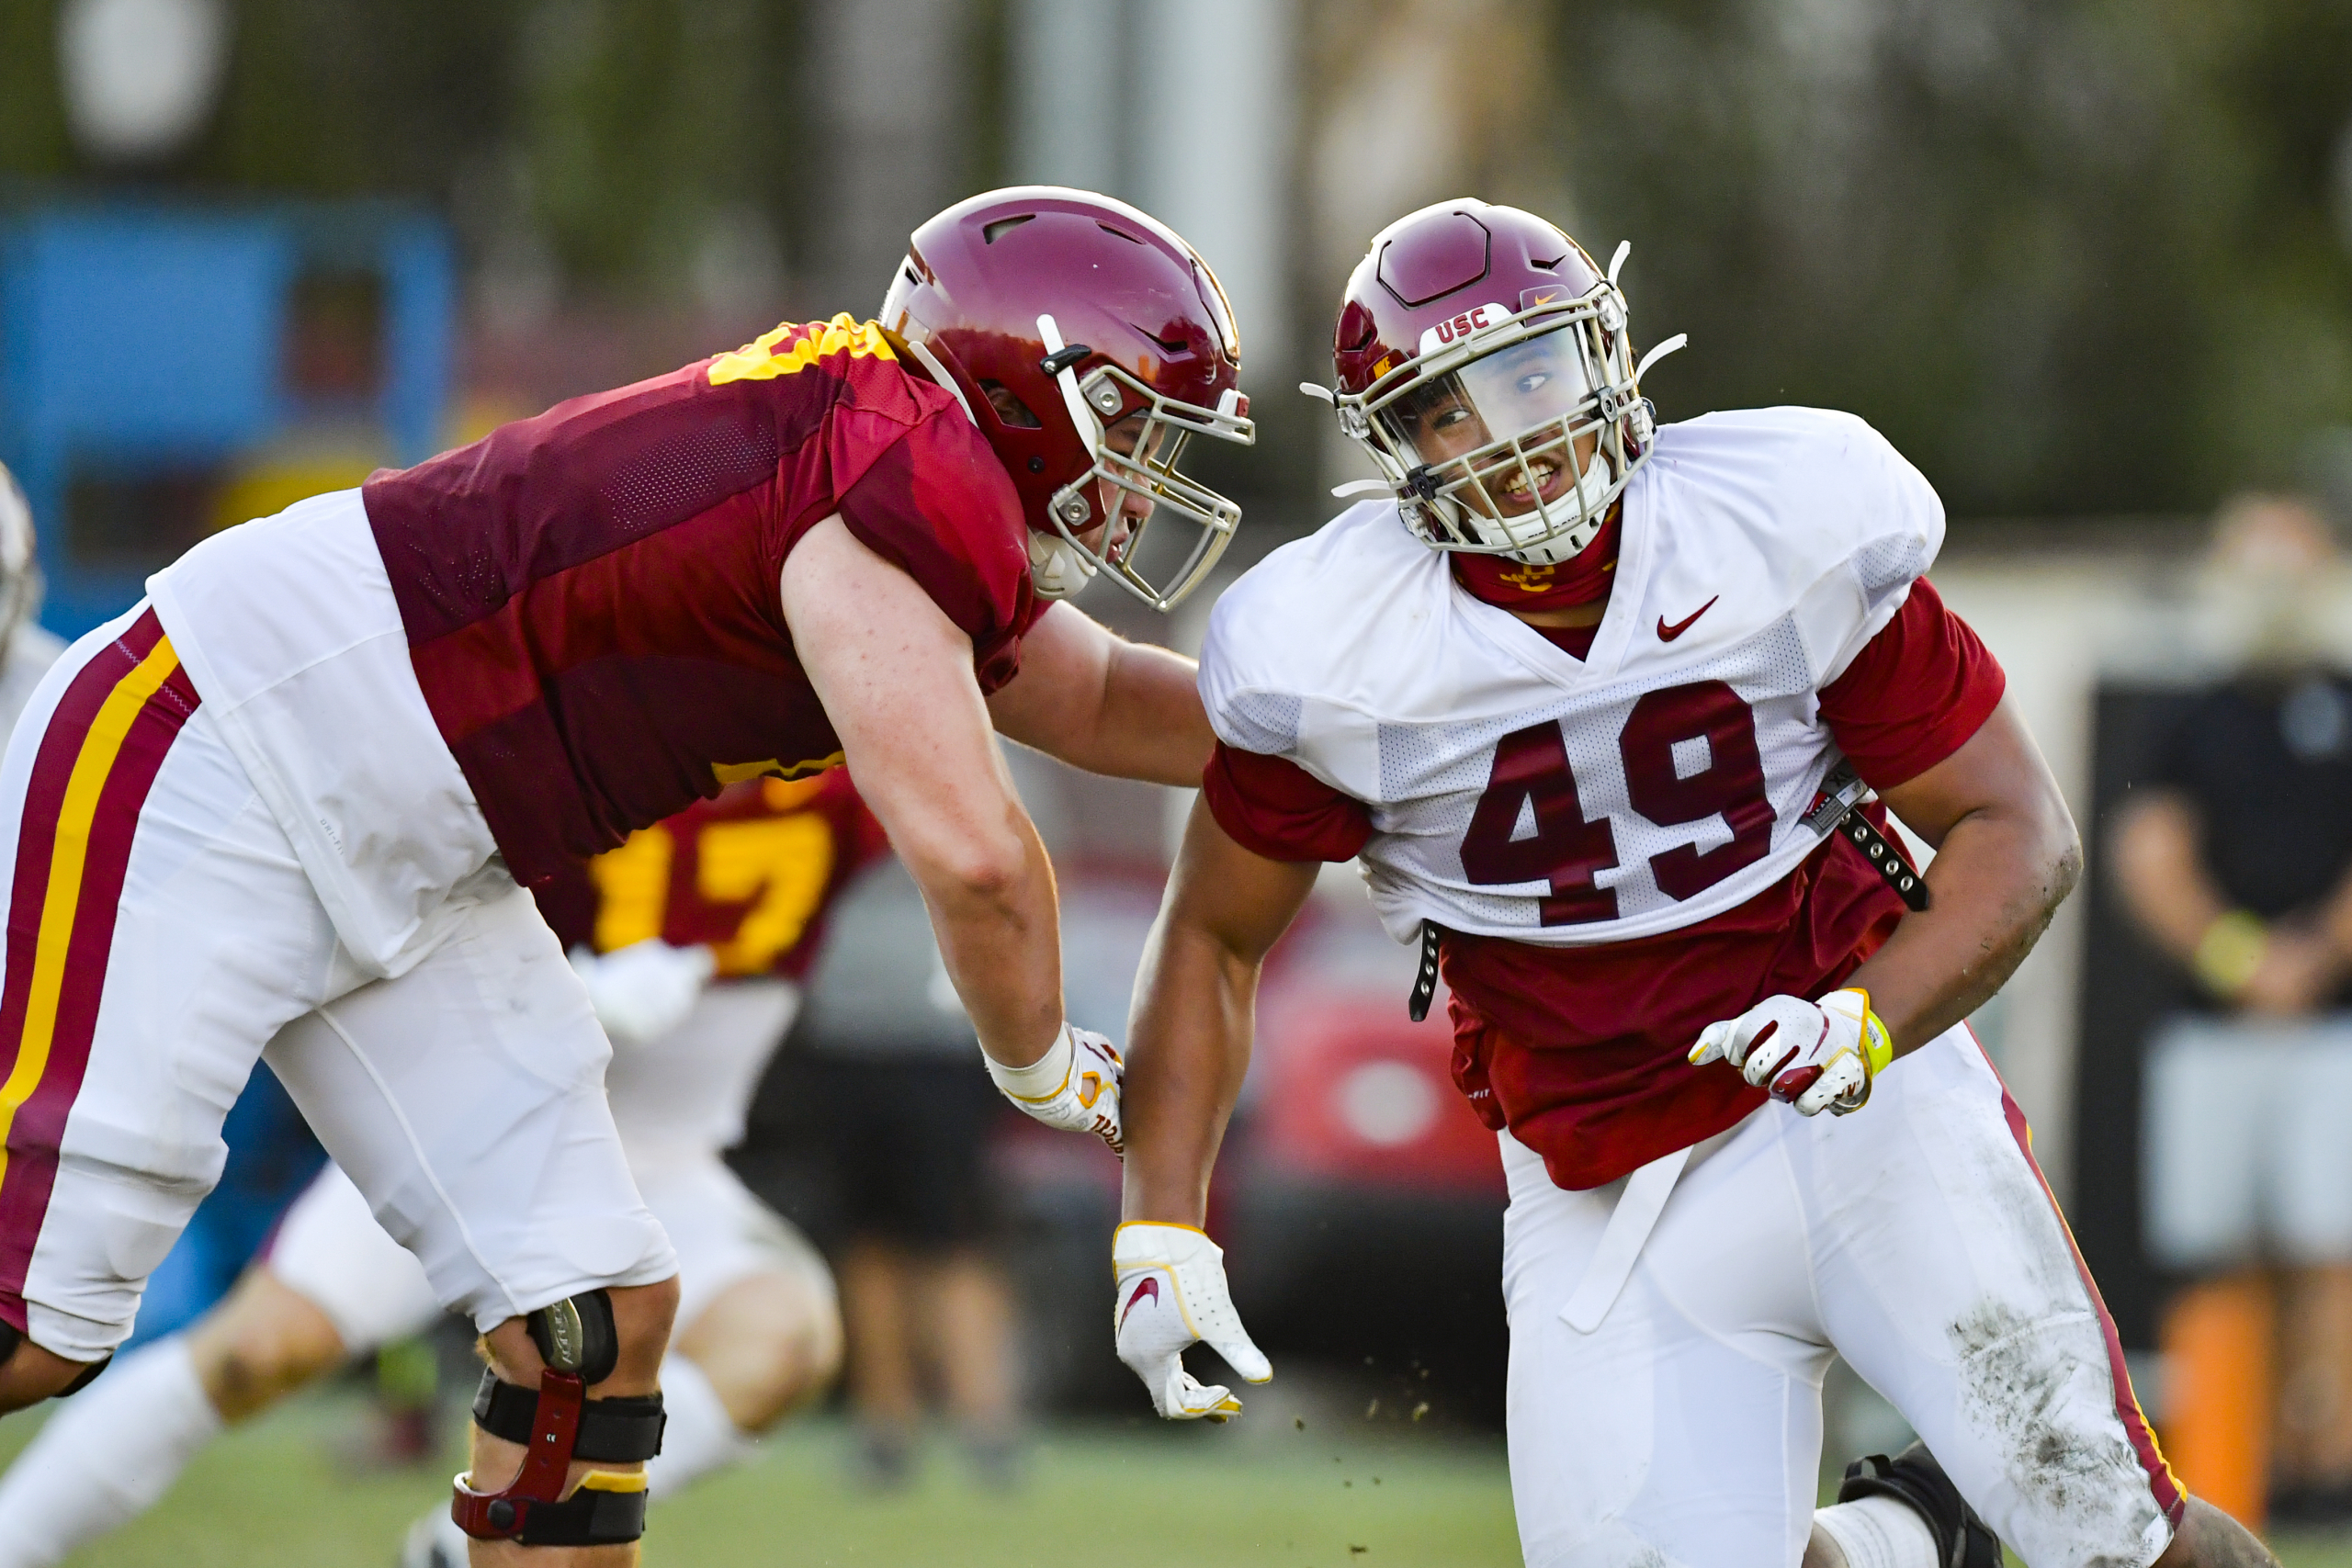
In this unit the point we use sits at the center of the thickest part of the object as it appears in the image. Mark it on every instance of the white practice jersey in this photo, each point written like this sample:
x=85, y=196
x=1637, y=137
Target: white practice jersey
x=318, y=699
x=30, y=652
x=1516, y=791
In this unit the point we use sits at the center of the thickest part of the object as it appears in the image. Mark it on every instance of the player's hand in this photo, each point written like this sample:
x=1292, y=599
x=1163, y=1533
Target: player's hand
x=1815, y=1055
x=1074, y=1086
x=1171, y=1295
x=643, y=991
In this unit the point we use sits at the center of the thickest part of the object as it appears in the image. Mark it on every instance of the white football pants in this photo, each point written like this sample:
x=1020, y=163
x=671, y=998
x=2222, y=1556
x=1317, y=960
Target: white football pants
x=161, y=934
x=1914, y=1237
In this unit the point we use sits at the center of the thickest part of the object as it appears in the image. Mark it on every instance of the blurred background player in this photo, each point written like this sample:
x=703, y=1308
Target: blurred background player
x=734, y=892
x=2234, y=855
x=914, y=1204
x=25, y=649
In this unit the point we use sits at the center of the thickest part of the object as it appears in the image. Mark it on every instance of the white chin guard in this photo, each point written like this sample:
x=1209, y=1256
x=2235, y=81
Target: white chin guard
x=1591, y=497
x=1058, y=568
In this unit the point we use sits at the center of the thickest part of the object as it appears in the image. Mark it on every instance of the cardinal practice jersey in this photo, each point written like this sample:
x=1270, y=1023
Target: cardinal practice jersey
x=751, y=875
x=1518, y=792
x=573, y=628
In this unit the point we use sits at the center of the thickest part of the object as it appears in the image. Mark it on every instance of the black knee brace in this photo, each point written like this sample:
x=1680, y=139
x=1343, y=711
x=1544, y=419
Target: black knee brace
x=557, y=1424
x=1913, y=1476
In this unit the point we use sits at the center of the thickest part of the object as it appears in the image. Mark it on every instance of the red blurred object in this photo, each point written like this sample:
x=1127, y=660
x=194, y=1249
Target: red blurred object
x=1357, y=1094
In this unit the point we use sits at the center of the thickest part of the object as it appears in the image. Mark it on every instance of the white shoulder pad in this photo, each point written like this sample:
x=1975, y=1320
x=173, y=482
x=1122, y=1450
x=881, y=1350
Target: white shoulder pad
x=1287, y=669
x=1847, y=524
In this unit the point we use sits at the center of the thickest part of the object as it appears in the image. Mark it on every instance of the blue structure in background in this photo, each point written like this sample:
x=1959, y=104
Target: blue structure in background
x=139, y=341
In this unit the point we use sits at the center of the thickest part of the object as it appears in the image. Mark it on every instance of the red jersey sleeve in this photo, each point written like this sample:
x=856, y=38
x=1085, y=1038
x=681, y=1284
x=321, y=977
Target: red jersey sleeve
x=1271, y=806
x=939, y=506
x=1915, y=693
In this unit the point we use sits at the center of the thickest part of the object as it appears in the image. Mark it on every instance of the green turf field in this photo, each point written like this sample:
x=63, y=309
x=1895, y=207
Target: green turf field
x=283, y=1494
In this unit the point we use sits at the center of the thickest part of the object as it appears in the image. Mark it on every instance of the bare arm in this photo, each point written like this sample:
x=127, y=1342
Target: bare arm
x=1187, y=1040
x=2007, y=855
x=895, y=678
x=2160, y=868
x=1101, y=703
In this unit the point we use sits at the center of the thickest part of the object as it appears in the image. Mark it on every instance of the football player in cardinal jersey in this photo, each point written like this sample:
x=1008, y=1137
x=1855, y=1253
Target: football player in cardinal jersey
x=1594, y=703
x=738, y=887
x=285, y=803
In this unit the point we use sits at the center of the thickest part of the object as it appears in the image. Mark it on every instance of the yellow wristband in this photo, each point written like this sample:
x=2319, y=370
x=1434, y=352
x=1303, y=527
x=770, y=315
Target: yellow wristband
x=2230, y=951
x=1878, y=1046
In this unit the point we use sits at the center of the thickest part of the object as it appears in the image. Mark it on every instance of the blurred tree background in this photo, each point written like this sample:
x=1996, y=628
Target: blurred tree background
x=2075, y=256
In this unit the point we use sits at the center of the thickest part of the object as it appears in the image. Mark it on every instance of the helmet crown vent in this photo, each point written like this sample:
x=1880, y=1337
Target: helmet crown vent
x=1441, y=259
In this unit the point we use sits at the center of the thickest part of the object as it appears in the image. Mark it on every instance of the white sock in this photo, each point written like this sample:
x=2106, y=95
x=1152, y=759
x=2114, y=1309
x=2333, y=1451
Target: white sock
x=700, y=1438
x=105, y=1456
x=1041, y=1079
x=1879, y=1532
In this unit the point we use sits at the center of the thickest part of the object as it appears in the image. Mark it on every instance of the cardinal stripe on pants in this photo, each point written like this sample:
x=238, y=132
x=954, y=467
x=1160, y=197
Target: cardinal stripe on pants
x=2162, y=1482
x=98, y=757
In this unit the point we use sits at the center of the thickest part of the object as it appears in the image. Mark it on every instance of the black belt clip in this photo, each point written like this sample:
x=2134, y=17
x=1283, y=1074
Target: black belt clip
x=1838, y=809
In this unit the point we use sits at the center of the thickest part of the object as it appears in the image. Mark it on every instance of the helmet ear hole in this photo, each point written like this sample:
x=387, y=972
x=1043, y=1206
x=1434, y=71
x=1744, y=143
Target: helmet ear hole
x=1015, y=413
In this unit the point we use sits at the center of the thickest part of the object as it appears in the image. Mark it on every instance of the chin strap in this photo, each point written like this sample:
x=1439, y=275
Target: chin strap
x=1057, y=568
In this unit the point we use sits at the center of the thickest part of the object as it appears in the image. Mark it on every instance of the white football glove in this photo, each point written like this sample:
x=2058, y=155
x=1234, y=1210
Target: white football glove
x=1171, y=1295
x=1074, y=1086
x=1816, y=1055
x=643, y=991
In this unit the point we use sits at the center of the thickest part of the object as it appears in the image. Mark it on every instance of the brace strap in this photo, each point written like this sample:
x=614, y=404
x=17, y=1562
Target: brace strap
x=616, y=1431
x=608, y=1510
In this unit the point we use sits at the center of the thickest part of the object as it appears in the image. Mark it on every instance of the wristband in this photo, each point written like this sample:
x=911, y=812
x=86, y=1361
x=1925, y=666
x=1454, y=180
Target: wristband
x=2230, y=951
x=1878, y=1046
x=1041, y=1079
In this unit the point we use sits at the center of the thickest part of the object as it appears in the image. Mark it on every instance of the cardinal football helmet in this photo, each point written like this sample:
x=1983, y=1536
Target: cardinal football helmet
x=1089, y=344
x=1483, y=362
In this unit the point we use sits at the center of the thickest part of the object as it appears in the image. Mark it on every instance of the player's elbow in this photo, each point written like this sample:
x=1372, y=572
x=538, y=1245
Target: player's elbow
x=2060, y=856
x=2066, y=870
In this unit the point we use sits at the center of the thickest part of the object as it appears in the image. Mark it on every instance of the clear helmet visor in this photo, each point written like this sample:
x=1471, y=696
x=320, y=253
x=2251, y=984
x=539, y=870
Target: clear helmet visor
x=1501, y=434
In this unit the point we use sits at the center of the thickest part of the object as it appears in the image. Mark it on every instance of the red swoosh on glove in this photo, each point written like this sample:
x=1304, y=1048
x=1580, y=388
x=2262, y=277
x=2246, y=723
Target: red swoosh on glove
x=1148, y=1287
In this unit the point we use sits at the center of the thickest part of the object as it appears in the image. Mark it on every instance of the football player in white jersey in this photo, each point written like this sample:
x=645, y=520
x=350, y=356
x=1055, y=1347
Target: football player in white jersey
x=25, y=649
x=1593, y=702
x=738, y=886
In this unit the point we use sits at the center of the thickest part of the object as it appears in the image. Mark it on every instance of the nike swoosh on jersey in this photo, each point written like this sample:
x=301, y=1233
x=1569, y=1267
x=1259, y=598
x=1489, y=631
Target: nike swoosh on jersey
x=1667, y=634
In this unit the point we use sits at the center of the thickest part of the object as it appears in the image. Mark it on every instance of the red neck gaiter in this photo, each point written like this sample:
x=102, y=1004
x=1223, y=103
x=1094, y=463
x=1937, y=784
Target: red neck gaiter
x=1515, y=585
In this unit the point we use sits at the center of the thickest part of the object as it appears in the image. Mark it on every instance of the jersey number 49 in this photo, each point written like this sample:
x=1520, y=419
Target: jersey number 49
x=1532, y=776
